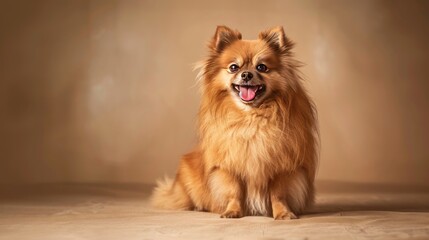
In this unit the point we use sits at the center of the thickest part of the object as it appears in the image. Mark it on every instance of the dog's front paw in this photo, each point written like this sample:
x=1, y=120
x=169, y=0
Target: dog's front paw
x=284, y=215
x=231, y=214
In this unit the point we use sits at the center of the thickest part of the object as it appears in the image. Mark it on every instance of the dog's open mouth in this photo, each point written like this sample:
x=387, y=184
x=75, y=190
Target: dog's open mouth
x=248, y=93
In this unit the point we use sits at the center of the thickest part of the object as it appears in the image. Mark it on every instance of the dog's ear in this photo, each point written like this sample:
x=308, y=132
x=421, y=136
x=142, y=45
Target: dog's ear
x=276, y=38
x=223, y=37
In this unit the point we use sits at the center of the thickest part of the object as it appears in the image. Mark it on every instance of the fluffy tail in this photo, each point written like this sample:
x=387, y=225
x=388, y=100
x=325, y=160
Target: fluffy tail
x=170, y=195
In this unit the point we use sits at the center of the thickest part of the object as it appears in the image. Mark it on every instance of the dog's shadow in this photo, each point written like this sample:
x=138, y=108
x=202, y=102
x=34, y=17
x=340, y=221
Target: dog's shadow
x=334, y=197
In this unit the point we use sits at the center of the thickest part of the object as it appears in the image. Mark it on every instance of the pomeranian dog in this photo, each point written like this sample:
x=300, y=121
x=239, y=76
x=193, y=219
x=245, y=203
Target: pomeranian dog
x=258, y=136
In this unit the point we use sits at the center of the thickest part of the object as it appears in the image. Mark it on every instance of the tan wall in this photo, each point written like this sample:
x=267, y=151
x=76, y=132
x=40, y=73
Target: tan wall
x=104, y=90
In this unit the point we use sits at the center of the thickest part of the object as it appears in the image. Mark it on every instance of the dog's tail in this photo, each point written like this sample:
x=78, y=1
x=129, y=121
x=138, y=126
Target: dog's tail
x=171, y=195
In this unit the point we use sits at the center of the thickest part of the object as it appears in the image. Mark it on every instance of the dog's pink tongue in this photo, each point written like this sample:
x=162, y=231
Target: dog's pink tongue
x=248, y=93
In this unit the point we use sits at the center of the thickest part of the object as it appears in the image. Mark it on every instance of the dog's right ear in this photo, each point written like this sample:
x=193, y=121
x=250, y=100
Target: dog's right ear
x=276, y=38
x=223, y=37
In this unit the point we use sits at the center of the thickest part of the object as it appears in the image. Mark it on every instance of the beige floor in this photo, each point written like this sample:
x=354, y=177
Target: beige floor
x=102, y=211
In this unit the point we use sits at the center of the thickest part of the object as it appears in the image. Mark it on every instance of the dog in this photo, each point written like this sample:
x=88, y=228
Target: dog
x=257, y=152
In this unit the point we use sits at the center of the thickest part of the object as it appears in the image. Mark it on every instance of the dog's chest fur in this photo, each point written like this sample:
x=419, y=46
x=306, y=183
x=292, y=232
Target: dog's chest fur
x=248, y=145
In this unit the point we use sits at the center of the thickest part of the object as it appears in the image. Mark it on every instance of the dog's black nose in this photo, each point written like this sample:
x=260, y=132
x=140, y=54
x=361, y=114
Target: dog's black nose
x=246, y=76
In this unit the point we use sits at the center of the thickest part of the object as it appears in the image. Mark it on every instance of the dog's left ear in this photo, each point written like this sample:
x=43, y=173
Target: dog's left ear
x=223, y=37
x=276, y=38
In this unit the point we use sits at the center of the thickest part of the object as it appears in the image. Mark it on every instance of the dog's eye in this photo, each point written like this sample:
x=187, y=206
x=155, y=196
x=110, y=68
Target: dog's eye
x=261, y=68
x=233, y=68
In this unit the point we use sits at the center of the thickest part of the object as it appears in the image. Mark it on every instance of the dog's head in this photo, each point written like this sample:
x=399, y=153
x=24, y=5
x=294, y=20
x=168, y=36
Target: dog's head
x=250, y=71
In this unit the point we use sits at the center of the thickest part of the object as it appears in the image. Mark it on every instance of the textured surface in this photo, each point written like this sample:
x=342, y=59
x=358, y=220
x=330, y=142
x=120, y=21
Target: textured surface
x=88, y=211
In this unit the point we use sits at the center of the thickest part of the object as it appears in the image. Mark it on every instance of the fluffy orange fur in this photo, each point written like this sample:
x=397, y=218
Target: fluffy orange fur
x=254, y=157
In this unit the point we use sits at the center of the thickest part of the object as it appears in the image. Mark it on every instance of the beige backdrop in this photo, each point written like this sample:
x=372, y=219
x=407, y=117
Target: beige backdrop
x=95, y=91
